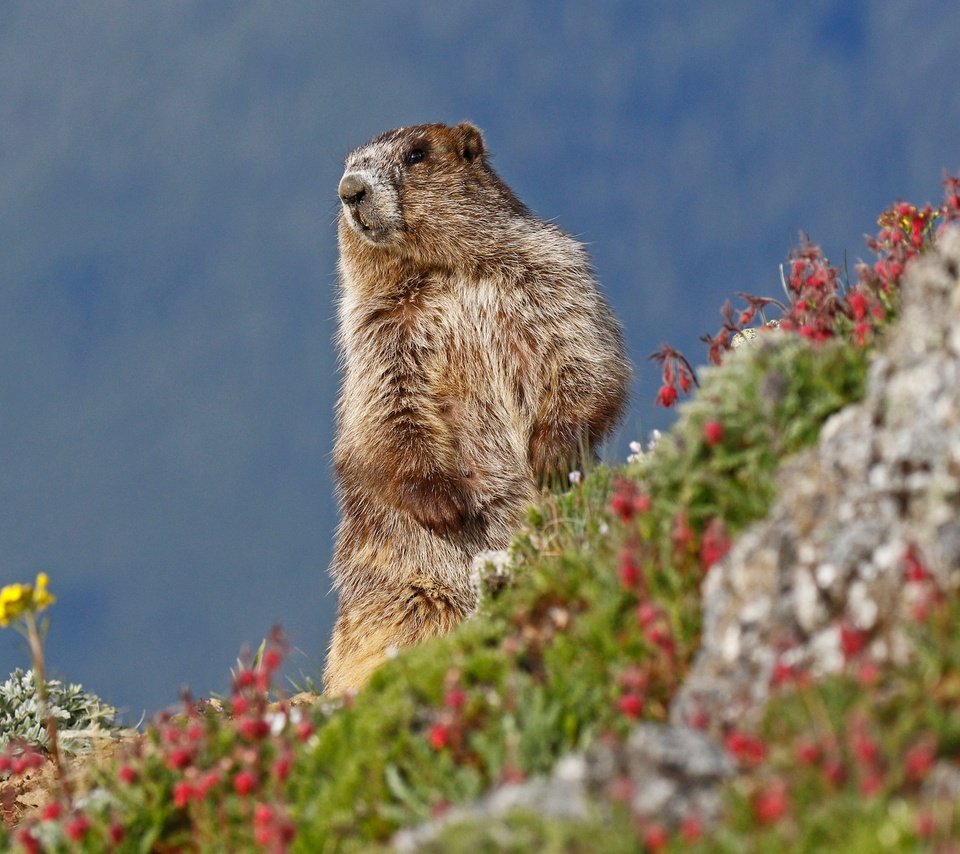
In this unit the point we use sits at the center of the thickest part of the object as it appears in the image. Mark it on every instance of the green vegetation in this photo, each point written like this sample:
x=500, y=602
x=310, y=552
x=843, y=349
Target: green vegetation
x=80, y=716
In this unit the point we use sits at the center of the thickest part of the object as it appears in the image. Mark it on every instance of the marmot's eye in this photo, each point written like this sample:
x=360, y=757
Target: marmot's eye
x=415, y=155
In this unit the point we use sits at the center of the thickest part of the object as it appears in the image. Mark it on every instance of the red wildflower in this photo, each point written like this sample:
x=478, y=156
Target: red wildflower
x=439, y=736
x=655, y=837
x=629, y=570
x=834, y=772
x=715, y=543
x=206, y=783
x=868, y=673
x=713, y=433
x=631, y=705
x=245, y=679
x=925, y=825
x=807, y=753
x=919, y=759
x=771, y=802
x=865, y=749
x=914, y=568
x=852, y=640
x=858, y=305
x=127, y=775
x=116, y=833
x=782, y=674
x=747, y=749
x=304, y=730
x=682, y=534
x=647, y=613
x=29, y=842
x=691, y=828
x=262, y=814
x=244, y=782
x=660, y=636
x=667, y=396
x=861, y=333
x=179, y=758
x=622, y=502
x=51, y=812
x=254, y=729
x=182, y=793
x=77, y=827
x=282, y=766
x=633, y=679
x=455, y=699
x=271, y=660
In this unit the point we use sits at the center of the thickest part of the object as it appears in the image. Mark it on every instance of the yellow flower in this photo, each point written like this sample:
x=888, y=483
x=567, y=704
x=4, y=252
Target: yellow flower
x=41, y=596
x=14, y=600
x=17, y=599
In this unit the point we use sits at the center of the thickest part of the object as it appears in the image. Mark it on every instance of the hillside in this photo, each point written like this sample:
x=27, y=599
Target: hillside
x=743, y=639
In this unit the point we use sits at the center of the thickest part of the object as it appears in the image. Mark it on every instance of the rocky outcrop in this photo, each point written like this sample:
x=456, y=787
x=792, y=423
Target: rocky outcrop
x=664, y=772
x=860, y=521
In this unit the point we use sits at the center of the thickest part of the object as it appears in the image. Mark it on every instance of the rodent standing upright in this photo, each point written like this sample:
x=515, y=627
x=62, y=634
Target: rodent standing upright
x=478, y=360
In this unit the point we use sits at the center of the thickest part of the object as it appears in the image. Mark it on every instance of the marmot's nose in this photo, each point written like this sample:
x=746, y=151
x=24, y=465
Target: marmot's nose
x=353, y=188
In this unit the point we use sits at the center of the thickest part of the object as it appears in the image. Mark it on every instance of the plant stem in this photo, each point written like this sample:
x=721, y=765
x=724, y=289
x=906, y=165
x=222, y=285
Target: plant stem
x=36, y=651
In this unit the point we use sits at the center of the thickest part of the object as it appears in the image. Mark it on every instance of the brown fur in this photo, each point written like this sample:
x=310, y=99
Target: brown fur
x=479, y=360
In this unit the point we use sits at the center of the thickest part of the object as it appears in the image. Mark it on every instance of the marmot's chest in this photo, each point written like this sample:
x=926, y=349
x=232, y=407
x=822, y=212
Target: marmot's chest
x=485, y=326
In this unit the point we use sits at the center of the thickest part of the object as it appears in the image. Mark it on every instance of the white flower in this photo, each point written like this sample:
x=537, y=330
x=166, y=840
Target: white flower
x=575, y=477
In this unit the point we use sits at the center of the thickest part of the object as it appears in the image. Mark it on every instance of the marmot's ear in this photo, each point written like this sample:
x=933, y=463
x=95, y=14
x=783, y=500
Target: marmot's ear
x=470, y=141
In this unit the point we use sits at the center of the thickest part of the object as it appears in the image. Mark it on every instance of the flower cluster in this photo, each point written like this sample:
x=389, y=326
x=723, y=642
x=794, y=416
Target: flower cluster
x=214, y=775
x=678, y=375
x=16, y=600
x=821, y=305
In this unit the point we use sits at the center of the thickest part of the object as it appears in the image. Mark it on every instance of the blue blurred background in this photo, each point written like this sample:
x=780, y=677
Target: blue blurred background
x=168, y=176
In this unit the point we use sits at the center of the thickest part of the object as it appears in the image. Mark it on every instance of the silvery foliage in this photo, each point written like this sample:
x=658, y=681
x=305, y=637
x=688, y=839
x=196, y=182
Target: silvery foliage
x=79, y=715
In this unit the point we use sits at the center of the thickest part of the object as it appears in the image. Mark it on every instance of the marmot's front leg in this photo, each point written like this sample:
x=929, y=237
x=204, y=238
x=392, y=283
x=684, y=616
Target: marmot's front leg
x=578, y=409
x=437, y=500
x=555, y=449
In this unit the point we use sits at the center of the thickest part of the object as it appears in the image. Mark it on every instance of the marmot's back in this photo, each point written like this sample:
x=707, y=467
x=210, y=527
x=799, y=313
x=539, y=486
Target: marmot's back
x=479, y=359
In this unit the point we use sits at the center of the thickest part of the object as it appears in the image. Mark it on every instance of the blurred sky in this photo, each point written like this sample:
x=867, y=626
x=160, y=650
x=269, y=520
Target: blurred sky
x=168, y=175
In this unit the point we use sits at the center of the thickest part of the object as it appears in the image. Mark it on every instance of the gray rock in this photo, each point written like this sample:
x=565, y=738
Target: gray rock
x=562, y=795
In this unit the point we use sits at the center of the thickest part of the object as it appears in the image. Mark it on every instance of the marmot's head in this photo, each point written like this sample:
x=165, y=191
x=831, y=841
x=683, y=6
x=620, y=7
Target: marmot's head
x=425, y=191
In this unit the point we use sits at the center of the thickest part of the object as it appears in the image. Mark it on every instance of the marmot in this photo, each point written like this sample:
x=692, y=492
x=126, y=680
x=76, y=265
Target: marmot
x=478, y=361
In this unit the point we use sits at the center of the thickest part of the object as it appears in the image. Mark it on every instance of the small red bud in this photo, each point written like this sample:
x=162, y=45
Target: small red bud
x=713, y=433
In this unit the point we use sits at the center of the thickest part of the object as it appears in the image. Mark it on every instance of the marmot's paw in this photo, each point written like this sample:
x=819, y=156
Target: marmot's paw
x=437, y=502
